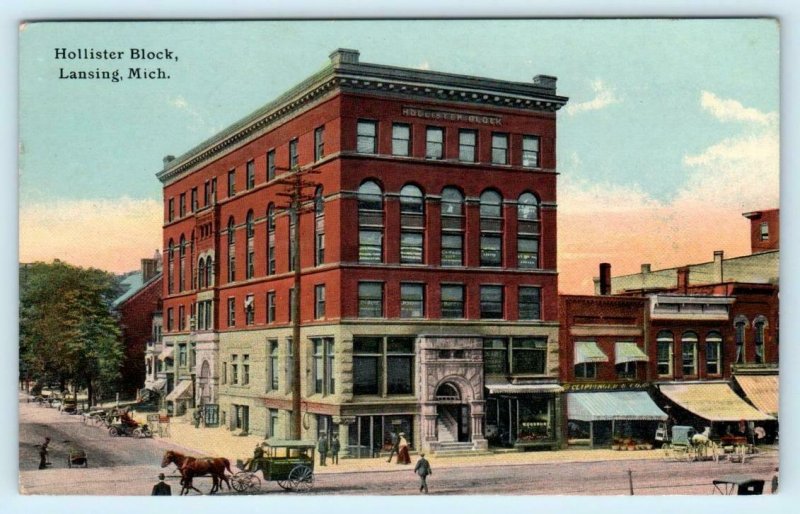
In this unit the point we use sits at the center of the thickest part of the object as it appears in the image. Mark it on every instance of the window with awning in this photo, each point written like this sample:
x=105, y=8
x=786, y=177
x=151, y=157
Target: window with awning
x=628, y=352
x=589, y=352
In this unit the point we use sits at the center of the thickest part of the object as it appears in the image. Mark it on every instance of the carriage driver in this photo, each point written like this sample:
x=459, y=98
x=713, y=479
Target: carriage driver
x=254, y=463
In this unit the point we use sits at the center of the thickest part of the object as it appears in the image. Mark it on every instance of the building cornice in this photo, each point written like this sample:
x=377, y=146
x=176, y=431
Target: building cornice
x=345, y=74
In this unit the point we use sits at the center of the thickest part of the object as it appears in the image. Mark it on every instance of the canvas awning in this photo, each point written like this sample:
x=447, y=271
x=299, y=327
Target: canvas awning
x=166, y=353
x=618, y=405
x=500, y=387
x=629, y=352
x=762, y=391
x=714, y=402
x=181, y=391
x=588, y=351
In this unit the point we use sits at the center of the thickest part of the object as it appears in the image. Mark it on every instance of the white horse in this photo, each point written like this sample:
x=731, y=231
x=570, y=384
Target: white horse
x=703, y=444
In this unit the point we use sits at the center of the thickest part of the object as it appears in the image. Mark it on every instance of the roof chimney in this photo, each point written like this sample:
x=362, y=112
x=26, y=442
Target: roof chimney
x=344, y=56
x=605, y=278
x=168, y=159
x=149, y=269
x=545, y=82
x=645, y=269
x=683, y=279
x=718, y=257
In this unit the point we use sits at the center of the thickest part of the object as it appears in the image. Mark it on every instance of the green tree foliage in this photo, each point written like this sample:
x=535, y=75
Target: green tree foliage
x=68, y=334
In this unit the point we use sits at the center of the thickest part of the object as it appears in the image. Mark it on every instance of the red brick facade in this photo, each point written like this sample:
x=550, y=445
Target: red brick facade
x=136, y=320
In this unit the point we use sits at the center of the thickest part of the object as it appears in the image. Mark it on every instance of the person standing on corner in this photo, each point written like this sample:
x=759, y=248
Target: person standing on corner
x=43, y=453
x=395, y=446
x=322, y=448
x=423, y=469
x=335, y=447
x=403, y=456
x=161, y=488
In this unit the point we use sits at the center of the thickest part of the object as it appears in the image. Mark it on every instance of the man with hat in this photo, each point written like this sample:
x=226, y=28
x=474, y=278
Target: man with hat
x=161, y=488
x=423, y=469
x=43, y=453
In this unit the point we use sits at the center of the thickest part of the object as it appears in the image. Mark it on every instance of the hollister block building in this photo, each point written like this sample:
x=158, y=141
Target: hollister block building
x=428, y=259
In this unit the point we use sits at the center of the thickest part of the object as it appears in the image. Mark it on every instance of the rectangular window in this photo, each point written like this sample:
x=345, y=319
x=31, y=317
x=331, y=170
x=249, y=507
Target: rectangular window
x=182, y=205
x=319, y=365
x=319, y=143
x=271, y=165
x=495, y=356
x=273, y=423
x=492, y=302
x=434, y=143
x=370, y=246
x=530, y=151
x=231, y=183
x=273, y=365
x=170, y=319
x=231, y=265
x=765, y=231
x=452, y=301
x=528, y=355
x=491, y=249
x=370, y=300
x=400, y=365
x=207, y=194
x=689, y=358
x=293, y=159
x=234, y=371
x=527, y=252
x=319, y=301
x=499, y=148
x=181, y=318
x=171, y=209
x=231, y=312
x=289, y=364
x=224, y=372
x=245, y=369
x=626, y=370
x=664, y=360
x=411, y=247
x=182, y=360
x=319, y=244
x=367, y=137
x=401, y=139
x=530, y=303
x=467, y=144
x=249, y=310
x=713, y=358
x=452, y=250
x=586, y=370
x=330, y=377
x=367, y=357
x=251, y=260
x=412, y=301
x=194, y=205
x=271, y=307
x=251, y=174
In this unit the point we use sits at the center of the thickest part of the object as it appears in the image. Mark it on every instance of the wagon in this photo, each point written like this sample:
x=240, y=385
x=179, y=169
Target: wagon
x=684, y=447
x=289, y=463
x=77, y=457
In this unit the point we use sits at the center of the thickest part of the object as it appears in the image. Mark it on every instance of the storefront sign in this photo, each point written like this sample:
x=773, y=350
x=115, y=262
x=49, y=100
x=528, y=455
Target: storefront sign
x=605, y=386
x=467, y=117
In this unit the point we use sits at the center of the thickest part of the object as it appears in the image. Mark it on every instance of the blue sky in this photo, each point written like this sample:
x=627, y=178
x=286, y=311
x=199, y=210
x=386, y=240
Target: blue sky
x=649, y=99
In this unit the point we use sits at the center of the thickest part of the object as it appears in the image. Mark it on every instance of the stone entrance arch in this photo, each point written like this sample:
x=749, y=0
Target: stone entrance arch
x=204, y=384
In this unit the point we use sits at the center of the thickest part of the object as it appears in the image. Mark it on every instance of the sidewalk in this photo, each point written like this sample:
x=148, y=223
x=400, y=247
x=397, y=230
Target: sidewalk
x=220, y=442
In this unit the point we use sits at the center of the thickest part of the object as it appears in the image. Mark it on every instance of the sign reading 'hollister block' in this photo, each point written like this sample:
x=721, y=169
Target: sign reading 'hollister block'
x=468, y=117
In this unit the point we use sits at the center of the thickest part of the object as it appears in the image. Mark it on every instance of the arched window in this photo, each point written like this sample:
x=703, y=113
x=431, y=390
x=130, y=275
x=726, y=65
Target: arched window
x=665, y=345
x=170, y=267
x=452, y=227
x=739, y=325
x=689, y=353
x=270, y=239
x=527, y=231
x=412, y=224
x=209, y=271
x=447, y=392
x=370, y=222
x=759, y=326
x=319, y=227
x=182, y=264
x=714, y=353
x=491, y=211
x=231, y=250
x=251, y=252
x=201, y=273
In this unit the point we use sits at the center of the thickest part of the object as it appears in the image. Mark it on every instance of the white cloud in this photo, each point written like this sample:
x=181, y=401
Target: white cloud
x=604, y=96
x=732, y=110
x=197, y=121
x=424, y=66
x=107, y=234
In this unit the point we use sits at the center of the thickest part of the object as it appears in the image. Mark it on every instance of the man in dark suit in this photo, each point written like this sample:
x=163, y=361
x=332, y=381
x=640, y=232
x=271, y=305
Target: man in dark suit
x=161, y=488
x=43, y=454
x=423, y=469
x=395, y=446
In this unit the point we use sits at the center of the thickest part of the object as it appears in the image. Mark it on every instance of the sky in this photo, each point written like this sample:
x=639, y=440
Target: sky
x=670, y=134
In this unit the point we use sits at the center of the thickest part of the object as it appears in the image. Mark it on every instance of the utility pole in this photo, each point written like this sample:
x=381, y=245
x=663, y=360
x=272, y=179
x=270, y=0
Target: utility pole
x=295, y=186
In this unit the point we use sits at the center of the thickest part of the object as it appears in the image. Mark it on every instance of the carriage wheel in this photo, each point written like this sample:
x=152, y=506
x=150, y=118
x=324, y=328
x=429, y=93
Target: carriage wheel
x=137, y=433
x=301, y=478
x=254, y=483
x=240, y=481
x=285, y=484
x=113, y=431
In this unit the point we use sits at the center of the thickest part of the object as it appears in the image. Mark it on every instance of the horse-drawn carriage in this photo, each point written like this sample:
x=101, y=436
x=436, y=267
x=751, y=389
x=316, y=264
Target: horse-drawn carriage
x=77, y=457
x=128, y=426
x=686, y=444
x=290, y=463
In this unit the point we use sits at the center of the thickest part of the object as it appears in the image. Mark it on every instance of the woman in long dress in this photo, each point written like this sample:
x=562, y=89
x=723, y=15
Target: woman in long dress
x=402, y=451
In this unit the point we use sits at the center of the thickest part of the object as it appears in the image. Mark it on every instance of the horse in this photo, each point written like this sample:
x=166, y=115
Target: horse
x=703, y=443
x=191, y=467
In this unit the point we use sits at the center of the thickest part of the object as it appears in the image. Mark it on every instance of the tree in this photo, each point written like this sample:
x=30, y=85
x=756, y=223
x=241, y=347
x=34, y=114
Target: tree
x=68, y=334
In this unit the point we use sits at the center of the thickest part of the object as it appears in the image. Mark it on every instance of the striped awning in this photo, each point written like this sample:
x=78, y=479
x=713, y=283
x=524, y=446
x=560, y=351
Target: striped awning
x=181, y=391
x=714, y=402
x=607, y=406
x=588, y=351
x=507, y=387
x=762, y=391
x=629, y=352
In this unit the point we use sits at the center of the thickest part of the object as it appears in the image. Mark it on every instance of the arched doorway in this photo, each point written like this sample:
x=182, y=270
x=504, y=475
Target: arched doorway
x=204, y=384
x=452, y=414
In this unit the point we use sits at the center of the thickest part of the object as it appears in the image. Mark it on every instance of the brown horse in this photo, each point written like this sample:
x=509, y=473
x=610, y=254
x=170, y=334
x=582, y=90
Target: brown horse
x=191, y=467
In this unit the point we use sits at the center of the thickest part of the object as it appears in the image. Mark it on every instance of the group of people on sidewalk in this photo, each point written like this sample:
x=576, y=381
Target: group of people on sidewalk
x=322, y=448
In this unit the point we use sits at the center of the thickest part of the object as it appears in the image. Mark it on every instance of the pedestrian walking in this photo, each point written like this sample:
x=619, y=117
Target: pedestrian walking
x=395, y=446
x=197, y=417
x=43, y=453
x=322, y=448
x=161, y=488
x=402, y=450
x=423, y=469
x=335, y=446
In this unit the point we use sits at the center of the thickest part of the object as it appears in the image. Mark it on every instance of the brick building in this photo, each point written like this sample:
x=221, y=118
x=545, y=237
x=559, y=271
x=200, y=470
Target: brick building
x=428, y=258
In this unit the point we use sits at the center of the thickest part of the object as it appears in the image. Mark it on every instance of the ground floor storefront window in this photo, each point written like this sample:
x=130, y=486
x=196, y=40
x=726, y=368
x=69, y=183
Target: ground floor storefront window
x=519, y=420
x=370, y=435
x=617, y=434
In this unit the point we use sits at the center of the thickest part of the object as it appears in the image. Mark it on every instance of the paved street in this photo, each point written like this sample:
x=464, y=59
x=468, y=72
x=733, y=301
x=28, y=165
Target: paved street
x=127, y=466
